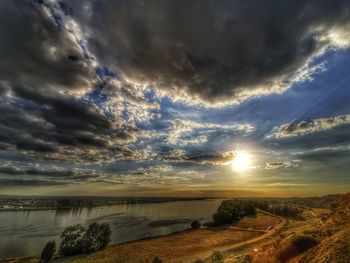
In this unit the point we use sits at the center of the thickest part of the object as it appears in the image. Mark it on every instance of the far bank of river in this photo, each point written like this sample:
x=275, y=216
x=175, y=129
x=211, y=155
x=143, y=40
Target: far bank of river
x=24, y=233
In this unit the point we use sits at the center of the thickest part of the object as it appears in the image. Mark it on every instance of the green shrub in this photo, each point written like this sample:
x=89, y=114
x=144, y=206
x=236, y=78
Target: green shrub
x=304, y=242
x=78, y=239
x=295, y=246
x=222, y=217
x=233, y=210
x=96, y=237
x=71, y=243
x=196, y=224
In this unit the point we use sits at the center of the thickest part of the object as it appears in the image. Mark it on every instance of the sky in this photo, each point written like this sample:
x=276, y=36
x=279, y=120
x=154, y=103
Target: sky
x=174, y=98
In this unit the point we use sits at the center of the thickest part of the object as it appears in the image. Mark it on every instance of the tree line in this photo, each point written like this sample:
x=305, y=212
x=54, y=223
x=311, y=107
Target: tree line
x=232, y=210
x=78, y=239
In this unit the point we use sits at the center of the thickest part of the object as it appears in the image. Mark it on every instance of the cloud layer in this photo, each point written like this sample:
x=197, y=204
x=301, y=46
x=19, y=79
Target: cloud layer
x=309, y=126
x=214, y=51
x=160, y=91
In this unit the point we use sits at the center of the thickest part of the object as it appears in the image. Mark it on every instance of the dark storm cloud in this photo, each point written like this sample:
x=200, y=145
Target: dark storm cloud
x=36, y=51
x=214, y=50
x=69, y=75
x=55, y=126
x=46, y=76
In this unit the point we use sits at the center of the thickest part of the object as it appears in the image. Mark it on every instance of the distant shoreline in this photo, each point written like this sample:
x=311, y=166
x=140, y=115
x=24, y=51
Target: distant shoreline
x=126, y=201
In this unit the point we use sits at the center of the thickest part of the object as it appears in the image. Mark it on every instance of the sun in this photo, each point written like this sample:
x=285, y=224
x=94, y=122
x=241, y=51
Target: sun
x=242, y=161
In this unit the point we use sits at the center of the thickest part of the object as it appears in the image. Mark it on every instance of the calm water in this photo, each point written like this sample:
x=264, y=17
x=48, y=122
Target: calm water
x=25, y=233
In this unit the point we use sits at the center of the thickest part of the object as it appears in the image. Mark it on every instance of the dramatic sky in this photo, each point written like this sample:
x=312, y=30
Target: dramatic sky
x=175, y=98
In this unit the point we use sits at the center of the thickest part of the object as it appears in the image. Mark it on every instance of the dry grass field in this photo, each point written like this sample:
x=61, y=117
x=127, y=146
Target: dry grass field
x=181, y=247
x=261, y=221
x=186, y=246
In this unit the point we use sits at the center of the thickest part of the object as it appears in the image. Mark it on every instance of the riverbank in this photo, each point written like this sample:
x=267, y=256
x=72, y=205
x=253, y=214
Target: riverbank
x=183, y=246
x=25, y=233
x=189, y=245
x=21, y=203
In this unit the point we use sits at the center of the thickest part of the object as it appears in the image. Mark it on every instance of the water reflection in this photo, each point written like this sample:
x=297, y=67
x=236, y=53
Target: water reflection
x=26, y=232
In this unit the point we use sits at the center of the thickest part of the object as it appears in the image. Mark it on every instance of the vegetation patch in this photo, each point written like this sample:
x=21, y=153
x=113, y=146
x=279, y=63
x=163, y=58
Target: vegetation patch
x=232, y=210
x=295, y=246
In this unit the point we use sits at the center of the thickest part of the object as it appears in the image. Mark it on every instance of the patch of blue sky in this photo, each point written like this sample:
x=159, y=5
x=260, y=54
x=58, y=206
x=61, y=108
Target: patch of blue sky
x=105, y=72
x=326, y=95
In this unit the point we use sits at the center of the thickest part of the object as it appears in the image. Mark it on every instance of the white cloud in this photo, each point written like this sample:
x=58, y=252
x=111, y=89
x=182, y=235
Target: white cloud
x=311, y=126
x=179, y=128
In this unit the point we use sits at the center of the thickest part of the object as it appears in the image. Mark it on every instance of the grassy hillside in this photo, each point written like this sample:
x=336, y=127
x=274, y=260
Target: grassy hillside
x=326, y=237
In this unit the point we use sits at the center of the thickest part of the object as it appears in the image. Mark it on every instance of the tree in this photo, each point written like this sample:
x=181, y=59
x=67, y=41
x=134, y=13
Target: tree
x=48, y=251
x=96, y=237
x=71, y=243
x=78, y=239
x=250, y=209
x=196, y=224
x=235, y=214
x=222, y=217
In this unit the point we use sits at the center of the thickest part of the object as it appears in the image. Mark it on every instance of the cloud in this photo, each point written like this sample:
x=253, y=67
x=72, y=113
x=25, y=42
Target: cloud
x=226, y=52
x=278, y=165
x=28, y=182
x=325, y=155
x=310, y=126
x=215, y=159
x=286, y=185
x=57, y=102
x=59, y=174
x=184, y=132
x=38, y=53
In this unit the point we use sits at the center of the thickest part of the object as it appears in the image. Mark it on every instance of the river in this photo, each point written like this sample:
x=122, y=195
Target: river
x=24, y=233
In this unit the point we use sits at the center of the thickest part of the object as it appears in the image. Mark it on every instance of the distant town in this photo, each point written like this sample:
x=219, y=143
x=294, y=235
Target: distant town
x=11, y=203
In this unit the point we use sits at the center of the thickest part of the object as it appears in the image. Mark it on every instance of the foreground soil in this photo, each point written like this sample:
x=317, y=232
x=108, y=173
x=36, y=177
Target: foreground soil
x=186, y=246
x=180, y=247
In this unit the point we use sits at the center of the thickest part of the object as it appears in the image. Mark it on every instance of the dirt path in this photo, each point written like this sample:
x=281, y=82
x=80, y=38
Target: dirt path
x=246, y=243
x=187, y=246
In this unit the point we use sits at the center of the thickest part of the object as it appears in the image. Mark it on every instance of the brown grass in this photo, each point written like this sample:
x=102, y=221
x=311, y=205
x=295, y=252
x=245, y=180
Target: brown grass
x=181, y=247
x=185, y=246
x=259, y=222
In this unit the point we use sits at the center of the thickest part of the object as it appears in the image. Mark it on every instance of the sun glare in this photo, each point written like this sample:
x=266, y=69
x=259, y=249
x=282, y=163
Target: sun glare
x=242, y=161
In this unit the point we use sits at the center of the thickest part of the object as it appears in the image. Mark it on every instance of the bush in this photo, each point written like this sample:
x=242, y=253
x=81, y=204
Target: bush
x=285, y=210
x=71, y=243
x=294, y=246
x=78, y=239
x=233, y=210
x=48, y=251
x=157, y=260
x=217, y=257
x=96, y=237
x=196, y=224
x=304, y=242
x=222, y=217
